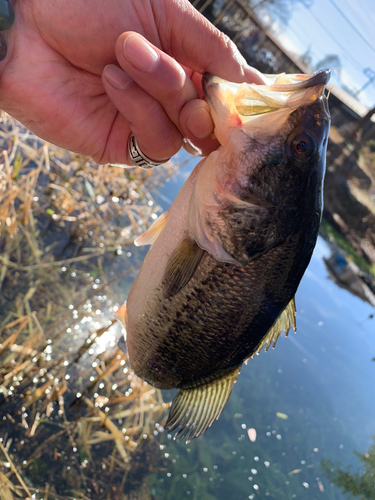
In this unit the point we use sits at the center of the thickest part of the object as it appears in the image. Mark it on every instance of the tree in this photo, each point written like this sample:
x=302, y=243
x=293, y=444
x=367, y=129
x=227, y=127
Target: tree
x=306, y=58
x=360, y=484
x=332, y=62
x=278, y=9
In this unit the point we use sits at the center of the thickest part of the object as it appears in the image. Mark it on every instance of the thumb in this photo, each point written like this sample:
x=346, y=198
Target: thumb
x=193, y=41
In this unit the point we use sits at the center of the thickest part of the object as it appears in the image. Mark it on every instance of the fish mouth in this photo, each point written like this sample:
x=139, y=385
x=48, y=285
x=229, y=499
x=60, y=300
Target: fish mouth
x=298, y=82
x=275, y=83
x=251, y=106
x=321, y=77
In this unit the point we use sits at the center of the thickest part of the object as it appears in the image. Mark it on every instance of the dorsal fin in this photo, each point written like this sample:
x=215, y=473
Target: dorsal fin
x=196, y=409
x=151, y=234
x=181, y=266
x=284, y=322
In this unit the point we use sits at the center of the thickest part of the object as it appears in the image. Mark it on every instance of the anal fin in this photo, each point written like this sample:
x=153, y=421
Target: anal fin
x=181, y=266
x=284, y=322
x=151, y=234
x=195, y=409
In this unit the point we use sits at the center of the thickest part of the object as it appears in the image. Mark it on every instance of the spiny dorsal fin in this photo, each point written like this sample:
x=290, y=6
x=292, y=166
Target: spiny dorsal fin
x=181, y=266
x=196, y=409
x=283, y=322
x=150, y=235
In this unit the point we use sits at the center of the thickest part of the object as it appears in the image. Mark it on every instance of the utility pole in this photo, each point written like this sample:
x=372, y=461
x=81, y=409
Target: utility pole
x=370, y=73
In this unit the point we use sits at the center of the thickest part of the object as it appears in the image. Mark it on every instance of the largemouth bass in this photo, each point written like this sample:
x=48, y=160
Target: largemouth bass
x=219, y=280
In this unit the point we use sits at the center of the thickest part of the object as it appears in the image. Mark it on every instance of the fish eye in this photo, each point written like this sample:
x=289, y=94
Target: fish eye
x=303, y=146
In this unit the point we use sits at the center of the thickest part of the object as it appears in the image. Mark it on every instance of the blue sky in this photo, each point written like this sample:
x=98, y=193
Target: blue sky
x=324, y=31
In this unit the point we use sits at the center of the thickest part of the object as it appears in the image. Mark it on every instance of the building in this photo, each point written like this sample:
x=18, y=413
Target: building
x=263, y=51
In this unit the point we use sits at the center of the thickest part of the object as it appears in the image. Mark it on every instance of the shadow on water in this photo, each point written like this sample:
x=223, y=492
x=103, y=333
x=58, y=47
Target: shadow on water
x=75, y=421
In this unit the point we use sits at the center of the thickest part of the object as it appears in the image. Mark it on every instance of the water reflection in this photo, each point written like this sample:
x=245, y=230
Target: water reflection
x=320, y=378
x=359, y=483
x=347, y=275
x=75, y=423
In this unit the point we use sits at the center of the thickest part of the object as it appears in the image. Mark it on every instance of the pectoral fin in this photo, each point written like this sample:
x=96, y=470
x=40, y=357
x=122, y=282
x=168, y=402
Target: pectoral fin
x=120, y=314
x=181, y=266
x=196, y=409
x=149, y=236
x=284, y=322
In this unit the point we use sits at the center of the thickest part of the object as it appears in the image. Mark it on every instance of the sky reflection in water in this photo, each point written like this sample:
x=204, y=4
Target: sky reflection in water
x=322, y=378
x=309, y=399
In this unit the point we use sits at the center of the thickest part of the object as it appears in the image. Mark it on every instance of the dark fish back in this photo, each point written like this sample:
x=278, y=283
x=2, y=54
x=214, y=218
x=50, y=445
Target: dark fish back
x=218, y=319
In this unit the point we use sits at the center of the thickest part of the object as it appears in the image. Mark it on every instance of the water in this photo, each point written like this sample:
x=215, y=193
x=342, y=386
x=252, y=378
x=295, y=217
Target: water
x=322, y=379
x=310, y=399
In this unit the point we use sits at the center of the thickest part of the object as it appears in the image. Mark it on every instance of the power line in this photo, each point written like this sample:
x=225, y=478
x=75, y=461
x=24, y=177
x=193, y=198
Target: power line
x=315, y=46
x=351, y=24
x=346, y=54
x=370, y=73
x=344, y=49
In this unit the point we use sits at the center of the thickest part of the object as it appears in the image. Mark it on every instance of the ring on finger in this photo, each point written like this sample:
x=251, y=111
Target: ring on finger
x=139, y=158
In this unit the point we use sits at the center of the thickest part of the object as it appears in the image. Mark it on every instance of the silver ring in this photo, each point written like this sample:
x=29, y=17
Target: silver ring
x=139, y=158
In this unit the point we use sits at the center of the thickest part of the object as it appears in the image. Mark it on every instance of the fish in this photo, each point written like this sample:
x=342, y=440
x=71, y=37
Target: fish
x=218, y=283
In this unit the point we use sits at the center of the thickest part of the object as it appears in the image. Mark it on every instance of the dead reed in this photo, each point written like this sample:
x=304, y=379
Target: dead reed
x=73, y=414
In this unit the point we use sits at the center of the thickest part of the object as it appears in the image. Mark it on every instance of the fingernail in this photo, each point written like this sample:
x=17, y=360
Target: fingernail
x=139, y=53
x=116, y=77
x=199, y=123
x=253, y=75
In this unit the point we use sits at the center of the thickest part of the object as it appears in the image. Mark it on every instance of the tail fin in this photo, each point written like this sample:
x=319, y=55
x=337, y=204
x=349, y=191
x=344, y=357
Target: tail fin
x=196, y=409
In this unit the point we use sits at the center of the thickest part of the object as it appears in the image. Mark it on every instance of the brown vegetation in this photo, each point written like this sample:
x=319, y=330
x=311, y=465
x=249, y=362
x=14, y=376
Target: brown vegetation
x=69, y=403
x=349, y=195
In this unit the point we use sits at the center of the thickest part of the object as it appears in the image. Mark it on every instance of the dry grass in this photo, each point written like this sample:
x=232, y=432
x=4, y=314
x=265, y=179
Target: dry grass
x=72, y=411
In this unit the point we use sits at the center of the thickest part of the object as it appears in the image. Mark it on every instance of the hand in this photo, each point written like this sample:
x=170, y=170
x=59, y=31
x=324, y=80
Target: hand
x=57, y=50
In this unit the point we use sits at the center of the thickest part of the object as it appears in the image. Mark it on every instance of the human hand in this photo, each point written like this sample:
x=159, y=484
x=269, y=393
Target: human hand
x=51, y=77
x=160, y=100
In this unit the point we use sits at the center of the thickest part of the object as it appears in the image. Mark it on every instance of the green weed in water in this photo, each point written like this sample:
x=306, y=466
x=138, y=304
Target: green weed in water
x=328, y=231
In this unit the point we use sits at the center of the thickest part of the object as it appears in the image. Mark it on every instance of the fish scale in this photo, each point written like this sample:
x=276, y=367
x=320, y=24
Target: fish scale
x=219, y=281
x=212, y=313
